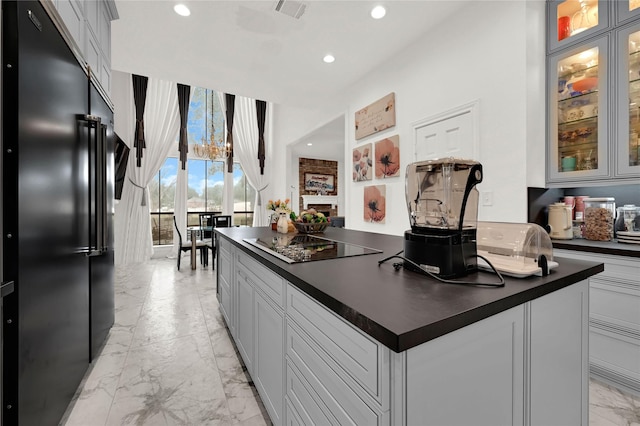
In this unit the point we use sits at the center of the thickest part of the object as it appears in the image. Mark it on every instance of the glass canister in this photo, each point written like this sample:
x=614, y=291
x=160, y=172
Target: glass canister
x=599, y=215
x=628, y=218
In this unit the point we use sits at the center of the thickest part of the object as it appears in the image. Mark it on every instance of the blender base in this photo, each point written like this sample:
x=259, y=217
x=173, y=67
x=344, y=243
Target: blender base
x=447, y=254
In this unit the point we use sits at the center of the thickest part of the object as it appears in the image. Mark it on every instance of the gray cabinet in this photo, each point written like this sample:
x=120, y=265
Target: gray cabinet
x=259, y=333
x=226, y=281
x=269, y=361
x=245, y=319
x=89, y=24
x=570, y=22
x=578, y=94
x=628, y=98
x=593, y=97
x=614, y=319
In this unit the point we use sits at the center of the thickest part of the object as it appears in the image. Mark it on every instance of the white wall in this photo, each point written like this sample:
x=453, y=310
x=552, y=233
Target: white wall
x=493, y=51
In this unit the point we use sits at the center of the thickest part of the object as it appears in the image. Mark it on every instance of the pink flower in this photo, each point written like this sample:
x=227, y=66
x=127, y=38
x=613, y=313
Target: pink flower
x=387, y=158
x=374, y=204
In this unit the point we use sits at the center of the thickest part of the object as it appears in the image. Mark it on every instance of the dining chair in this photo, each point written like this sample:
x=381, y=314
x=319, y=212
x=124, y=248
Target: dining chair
x=201, y=246
x=206, y=224
x=222, y=221
x=218, y=221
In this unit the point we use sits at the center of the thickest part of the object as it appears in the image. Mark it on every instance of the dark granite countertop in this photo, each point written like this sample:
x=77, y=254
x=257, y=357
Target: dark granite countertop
x=602, y=247
x=402, y=309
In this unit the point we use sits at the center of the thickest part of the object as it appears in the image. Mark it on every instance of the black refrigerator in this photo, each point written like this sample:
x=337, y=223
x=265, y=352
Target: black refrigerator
x=57, y=211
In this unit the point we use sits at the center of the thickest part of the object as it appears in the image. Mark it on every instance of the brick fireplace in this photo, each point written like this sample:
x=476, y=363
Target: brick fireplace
x=322, y=203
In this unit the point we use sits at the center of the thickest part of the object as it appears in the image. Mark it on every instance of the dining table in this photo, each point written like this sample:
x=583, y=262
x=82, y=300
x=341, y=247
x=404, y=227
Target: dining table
x=194, y=233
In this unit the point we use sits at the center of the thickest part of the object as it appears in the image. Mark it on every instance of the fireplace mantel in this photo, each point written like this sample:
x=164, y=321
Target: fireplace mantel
x=320, y=199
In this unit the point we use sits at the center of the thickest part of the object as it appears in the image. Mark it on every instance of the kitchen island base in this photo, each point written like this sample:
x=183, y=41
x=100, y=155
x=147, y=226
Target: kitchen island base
x=525, y=365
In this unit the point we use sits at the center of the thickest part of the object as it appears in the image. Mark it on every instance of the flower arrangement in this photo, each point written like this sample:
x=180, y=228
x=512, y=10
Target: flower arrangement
x=278, y=205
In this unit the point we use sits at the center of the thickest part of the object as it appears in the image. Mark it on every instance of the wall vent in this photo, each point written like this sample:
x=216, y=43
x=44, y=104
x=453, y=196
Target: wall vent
x=292, y=8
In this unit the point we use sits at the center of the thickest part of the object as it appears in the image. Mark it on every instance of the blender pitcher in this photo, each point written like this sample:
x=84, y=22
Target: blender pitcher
x=442, y=201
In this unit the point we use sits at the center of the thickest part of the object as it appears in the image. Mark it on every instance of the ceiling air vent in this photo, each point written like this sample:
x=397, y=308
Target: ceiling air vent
x=292, y=8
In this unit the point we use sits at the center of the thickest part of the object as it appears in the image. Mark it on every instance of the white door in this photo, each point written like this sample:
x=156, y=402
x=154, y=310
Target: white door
x=451, y=134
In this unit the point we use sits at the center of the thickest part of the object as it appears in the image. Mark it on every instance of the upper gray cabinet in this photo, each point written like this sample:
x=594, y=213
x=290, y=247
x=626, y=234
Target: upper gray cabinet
x=572, y=21
x=627, y=10
x=593, y=93
x=628, y=99
x=89, y=22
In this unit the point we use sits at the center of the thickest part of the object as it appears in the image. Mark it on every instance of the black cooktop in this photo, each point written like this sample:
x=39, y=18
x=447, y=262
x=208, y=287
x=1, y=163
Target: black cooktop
x=297, y=248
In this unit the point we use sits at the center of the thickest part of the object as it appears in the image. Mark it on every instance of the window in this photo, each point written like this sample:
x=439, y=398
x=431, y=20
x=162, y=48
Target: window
x=243, y=197
x=205, y=181
x=162, y=190
x=205, y=188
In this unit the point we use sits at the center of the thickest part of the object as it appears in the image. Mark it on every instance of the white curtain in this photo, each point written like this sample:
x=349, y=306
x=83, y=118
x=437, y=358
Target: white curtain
x=133, y=239
x=245, y=147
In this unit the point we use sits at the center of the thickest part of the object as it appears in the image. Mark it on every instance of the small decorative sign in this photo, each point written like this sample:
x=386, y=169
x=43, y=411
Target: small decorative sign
x=318, y=182
x=375, y=208
x=376, y=117
x=388, y=157
x=362, y=163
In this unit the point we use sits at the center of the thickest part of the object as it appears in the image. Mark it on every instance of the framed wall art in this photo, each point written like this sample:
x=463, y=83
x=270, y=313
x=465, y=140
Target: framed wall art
x=388, y=157
x=319, y=182
x=375, y=203
x=376, y=117
x=362, y=163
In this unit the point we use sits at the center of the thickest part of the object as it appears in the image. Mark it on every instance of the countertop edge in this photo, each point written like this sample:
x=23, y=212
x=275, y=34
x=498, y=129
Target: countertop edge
x=606, y=247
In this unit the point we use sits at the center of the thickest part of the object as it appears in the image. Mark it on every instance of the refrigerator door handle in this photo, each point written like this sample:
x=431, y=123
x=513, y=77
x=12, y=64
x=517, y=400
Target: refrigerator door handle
x=6, y=288
x=95, y=241
x=102, y=177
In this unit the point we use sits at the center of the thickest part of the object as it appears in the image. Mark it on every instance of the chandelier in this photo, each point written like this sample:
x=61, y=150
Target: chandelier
x=210, y=148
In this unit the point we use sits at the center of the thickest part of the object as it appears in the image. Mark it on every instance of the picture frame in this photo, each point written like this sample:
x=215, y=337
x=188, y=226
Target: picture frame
x=376, y=117
x=320, y=182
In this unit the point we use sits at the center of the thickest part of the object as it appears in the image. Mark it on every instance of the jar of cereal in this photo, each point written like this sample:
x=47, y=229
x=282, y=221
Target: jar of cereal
x=599, y=215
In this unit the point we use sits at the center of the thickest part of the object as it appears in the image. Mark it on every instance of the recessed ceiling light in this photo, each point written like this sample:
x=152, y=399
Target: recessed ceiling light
x=378, y=12
x=309, y=144
x=182, y=10
x=329, y=58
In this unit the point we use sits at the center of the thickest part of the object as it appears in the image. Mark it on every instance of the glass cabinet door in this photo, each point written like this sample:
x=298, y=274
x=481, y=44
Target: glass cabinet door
x=628, y=131
x=578, y=140
x=574, y=20
x=627, y=9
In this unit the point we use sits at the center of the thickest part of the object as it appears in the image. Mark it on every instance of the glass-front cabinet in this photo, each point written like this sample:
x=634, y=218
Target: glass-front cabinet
x=571, y=21
x=628, y=147
x=627, y=9
x=578, y=96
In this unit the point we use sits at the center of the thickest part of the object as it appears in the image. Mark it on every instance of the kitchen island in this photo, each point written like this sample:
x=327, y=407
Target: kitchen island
x=346, y=341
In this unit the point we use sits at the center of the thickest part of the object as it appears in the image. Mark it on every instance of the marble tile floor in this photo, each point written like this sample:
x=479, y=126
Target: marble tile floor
x=169, y=360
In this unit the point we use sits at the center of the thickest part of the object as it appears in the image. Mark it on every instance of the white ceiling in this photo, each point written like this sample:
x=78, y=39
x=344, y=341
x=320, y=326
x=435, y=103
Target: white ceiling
x=247, y=48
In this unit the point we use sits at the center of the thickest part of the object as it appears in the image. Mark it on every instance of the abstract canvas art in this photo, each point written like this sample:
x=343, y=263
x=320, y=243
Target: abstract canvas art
x=362, y=163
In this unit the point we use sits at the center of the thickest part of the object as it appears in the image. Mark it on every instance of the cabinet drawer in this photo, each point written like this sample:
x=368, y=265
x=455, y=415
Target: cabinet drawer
x=302, y=405
x=362, y=358
x=617, y=305
x=342, y=401
x=615, y=353
x=263, y=279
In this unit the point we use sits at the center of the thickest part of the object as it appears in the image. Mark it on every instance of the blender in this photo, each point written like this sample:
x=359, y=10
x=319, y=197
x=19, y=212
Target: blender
x=442, y=200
